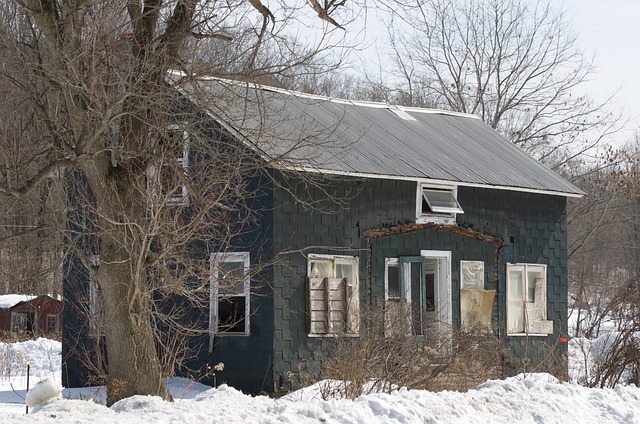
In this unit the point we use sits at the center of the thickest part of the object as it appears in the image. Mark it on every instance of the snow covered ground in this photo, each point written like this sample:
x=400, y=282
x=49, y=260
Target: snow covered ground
x=538, y=398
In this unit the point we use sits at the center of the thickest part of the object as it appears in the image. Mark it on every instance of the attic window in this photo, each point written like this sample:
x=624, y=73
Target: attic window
x=437, y=204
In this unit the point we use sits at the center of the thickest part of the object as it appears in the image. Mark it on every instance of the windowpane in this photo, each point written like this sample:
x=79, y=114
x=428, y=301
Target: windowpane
x=533, y=274
x=441, y=201
x=230, y=294
x=321, y=269
x=515, y=289
x=526, y=299
x=231, y=278
x=472, y=275
x=52, y=324
x=231, y=314
x=393, y=281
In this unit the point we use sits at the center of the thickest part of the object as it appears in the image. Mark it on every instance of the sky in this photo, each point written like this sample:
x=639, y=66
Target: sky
x=607, y=30
x=611, y=31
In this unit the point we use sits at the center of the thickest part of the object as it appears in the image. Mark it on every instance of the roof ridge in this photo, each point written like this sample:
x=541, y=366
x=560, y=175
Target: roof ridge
x=300, y=94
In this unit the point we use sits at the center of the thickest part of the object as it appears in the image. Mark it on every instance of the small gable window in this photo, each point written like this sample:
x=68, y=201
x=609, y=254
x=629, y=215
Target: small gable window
x=437, y=204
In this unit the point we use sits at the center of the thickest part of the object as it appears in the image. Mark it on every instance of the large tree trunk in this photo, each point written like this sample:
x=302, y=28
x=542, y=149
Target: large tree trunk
x=134, y=367
x=132, y=358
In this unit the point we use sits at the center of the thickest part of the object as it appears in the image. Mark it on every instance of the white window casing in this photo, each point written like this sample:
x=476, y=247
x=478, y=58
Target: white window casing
x=173, y=195
x=527, y=300
x=333, y=305
x=437, y=204
x=230, y=294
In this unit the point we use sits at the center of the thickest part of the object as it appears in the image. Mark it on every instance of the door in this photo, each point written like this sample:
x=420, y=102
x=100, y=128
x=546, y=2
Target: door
x=426, y=292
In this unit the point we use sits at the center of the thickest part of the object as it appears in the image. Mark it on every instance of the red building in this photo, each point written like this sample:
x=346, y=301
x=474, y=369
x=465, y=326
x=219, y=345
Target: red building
x=39, y=315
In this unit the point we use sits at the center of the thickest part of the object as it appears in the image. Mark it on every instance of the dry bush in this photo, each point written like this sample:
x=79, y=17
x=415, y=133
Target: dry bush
x=383, y=359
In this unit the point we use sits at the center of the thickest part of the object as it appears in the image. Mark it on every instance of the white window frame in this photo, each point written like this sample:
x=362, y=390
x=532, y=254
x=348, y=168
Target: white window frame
x=441, y=215
x=153, y=176
x=95, y=307
x=56, y=320
x=215, y=296
x=351, y=309
x=540, y=305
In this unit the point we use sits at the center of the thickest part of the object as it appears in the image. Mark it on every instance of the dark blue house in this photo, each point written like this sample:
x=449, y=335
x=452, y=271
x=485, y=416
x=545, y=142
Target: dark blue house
x=427, y=212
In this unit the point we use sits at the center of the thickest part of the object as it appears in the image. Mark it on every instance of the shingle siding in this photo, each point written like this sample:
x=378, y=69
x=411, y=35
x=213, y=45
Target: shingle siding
x=537, y=224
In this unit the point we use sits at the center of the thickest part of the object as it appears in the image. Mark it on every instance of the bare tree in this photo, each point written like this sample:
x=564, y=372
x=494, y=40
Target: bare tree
x=514, y=63
x=90, y=75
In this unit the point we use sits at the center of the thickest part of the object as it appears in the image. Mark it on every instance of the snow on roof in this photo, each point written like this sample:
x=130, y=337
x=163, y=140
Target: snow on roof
x=10, y=300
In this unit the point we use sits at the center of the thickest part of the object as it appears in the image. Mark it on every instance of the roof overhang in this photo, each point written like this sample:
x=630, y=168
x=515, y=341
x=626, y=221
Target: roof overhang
x=428, y=181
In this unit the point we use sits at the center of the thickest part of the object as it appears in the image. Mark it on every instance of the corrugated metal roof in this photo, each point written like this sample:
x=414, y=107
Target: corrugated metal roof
x=372, y=139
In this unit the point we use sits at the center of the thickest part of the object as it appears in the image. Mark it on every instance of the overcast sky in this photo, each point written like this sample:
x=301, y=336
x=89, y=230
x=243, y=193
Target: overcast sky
x=607, y=29
x=611, y=30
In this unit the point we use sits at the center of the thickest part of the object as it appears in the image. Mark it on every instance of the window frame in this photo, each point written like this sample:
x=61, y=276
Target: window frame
x=524, y=268
x=351, y=311
x=95, y=307
x=56, y=324
x=215, y=297
x=442, y=215
x=23, y=318
x=154, y=173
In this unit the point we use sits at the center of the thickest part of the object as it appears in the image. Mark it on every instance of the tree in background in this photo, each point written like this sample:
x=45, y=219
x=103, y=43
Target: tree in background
x=514, y=63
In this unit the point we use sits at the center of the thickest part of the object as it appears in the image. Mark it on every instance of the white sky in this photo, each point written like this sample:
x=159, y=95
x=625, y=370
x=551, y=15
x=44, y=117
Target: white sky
x=607, y=29
x=611, y=30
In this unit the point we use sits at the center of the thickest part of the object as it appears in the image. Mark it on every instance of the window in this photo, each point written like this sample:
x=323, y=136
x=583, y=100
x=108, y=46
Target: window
x=397, y=318
x=230, y=294
x=23, y=322
x=437, y=204
x=527, y=299
x=166, y=175
x=333, y=296
x=472, y=275
x=95, y=306
x=476, y=303
x=53, y=324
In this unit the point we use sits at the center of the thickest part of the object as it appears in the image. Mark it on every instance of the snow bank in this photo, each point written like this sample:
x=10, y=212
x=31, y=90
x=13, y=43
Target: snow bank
x=519, y=399
x=43, y=392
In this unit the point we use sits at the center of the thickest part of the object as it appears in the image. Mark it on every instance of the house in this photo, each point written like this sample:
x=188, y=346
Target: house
x=38, y=315
x=438, y=216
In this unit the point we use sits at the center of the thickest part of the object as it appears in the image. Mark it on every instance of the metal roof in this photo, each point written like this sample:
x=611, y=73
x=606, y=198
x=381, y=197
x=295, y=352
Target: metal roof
x=321, y=134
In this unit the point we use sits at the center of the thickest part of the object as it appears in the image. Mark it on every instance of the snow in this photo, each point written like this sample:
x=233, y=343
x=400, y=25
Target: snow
x=43, y=392
x=10, y=300
x=532, y=398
